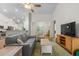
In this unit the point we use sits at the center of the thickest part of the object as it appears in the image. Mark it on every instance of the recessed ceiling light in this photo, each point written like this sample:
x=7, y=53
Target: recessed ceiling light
x=5, y=10
x=16, y=10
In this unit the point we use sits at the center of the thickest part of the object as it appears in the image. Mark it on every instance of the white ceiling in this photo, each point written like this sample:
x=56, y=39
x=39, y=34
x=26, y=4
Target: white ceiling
x=17, y=10
x=47, y=8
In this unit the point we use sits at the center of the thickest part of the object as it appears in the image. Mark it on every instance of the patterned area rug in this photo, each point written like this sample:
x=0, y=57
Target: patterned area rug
x=57, y=50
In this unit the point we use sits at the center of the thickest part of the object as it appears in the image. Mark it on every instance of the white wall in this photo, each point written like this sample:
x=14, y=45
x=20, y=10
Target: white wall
x=45, y=19
x=5, y=21
x=26, y=21
x=65, y=13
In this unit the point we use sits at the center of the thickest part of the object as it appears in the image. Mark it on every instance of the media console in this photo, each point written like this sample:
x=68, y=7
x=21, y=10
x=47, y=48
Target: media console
x=71, y=44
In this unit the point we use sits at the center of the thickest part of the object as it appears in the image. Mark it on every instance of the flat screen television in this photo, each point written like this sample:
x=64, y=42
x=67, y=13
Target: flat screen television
x=69, y=29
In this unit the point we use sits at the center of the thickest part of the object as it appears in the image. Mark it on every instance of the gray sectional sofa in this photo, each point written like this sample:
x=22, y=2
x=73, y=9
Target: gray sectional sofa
x=28, y=43
x=30, y=48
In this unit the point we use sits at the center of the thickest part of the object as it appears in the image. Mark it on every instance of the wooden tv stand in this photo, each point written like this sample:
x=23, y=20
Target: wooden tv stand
x=71, y=44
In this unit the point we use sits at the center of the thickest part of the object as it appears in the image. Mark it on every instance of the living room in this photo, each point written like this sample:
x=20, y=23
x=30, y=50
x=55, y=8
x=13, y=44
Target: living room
x=35, y=29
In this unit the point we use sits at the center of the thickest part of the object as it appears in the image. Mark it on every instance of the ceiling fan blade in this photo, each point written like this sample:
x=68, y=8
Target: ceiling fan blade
x=37, y=5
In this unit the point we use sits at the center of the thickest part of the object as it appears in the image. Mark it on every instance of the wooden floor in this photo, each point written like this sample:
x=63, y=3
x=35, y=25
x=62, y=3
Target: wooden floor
x=57, y=50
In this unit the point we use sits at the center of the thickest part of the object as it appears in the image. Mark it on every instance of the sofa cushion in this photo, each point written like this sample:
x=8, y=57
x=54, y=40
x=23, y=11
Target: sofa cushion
x=30, y=44
x=24, y=38
x=30, y=40
x=11, y=40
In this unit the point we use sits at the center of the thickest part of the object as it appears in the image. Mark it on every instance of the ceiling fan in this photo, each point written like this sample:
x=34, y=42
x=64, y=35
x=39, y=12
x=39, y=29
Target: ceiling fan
x=31, y=6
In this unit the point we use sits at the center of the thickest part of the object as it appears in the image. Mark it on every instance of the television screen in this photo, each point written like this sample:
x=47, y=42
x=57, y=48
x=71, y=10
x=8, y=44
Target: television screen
x=68, y=29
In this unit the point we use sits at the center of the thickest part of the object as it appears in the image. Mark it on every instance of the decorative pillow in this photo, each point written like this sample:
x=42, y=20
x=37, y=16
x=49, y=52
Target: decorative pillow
x=19, y=41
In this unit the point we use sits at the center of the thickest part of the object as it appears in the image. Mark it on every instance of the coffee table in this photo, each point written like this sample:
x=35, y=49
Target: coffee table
x=46, y=46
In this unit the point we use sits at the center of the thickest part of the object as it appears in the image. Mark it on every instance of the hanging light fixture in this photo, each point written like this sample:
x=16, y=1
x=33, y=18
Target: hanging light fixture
x=31, y=6
x=28, y=6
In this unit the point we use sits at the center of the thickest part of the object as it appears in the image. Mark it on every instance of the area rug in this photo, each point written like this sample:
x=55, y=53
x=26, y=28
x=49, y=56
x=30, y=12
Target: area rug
x=57, y=50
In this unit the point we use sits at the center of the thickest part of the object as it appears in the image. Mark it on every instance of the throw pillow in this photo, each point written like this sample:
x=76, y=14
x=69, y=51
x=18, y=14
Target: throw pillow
x=19, y=41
